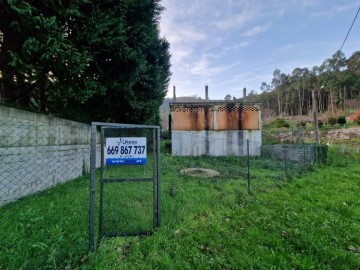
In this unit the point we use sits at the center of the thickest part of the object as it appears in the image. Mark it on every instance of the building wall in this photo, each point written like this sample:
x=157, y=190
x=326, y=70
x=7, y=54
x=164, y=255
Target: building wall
x=215, y=116
x=215, y=129
x=216, y=143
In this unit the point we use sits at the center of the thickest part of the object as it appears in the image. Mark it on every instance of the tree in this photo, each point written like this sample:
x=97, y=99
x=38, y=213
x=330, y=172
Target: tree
x=227, y=97
x=93, y=60
x=133, y=64
x=42, y=67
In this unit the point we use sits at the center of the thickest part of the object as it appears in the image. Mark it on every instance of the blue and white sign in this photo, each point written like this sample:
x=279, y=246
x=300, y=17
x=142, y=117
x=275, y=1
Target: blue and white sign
x=125, y=151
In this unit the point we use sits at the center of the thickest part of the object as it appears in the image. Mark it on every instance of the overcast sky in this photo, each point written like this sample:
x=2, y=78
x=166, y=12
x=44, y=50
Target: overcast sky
x=232, y=44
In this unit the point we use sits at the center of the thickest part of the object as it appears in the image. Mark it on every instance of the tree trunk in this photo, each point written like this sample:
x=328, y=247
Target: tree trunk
x=300, y=105
x=279, y=102
x=331, y=103
x=344, y=97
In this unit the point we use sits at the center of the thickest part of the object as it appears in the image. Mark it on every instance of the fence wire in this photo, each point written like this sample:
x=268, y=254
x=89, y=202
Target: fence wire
x=34, y=157
x=241, y=156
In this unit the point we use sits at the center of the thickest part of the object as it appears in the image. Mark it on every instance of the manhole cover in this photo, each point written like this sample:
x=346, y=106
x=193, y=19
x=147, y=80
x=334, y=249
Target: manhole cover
x=199, y=172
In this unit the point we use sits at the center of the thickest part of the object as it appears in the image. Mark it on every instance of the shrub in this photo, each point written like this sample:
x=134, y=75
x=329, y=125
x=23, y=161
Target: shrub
x=320, y=123
x=280, y=122
x=322, y=153
x=357, y=120
x=332, y=121
x=166, y=135
x=301, y=124
x=341, y=120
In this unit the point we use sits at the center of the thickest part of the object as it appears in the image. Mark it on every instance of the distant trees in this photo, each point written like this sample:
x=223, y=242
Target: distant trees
x=336, y=83
x=85, y=60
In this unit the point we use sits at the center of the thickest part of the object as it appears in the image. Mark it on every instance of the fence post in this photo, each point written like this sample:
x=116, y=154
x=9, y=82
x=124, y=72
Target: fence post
x=248, y=165
x=285, y=165
x=92, y=188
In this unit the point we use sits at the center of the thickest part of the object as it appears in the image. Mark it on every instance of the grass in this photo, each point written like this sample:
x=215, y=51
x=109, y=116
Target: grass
x=312, y=223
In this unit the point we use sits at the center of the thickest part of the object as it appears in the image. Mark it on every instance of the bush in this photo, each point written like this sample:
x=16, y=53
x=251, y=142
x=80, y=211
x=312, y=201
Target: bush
x=280, y=122
x=301, y=124
x=357, y=120
x=322, y=153
x=332, y=121
x=341, y=120
x=320, y=123
x=166, y=135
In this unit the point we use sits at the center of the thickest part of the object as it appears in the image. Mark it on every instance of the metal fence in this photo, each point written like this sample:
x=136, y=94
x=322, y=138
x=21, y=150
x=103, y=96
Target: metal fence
x=37, y=156
x=254, y=166
x=129, y=192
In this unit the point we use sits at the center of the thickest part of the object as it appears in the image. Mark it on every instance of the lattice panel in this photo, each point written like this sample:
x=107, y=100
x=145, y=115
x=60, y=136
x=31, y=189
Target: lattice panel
x=237, y=109
x=193, y=110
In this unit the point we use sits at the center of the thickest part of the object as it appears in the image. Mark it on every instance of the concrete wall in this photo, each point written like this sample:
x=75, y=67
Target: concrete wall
x=39, y=151
x=216, y=128
x=215, y=143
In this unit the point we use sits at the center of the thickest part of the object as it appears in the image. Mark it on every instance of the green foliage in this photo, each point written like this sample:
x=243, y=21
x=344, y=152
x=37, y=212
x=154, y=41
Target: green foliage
x=332, y=120
x=341, y=120
x=301, y=124
x=357, y=120
x=280, y=123
x=335, y=84
x=321, y=153
x=166, y=134
x=86, y=60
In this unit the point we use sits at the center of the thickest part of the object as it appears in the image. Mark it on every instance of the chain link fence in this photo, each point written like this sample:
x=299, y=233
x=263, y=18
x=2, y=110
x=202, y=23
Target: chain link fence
x=240, y=156
x=36, y=156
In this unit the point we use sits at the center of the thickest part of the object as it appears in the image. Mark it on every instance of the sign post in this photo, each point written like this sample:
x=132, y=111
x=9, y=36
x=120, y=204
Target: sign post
x=129, y=180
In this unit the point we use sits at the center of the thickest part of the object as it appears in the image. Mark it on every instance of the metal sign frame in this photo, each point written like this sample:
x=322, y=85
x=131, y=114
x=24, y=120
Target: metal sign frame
x=97, y=138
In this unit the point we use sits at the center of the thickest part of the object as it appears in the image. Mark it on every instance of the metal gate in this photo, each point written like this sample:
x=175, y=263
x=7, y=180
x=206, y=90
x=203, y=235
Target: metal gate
x=128, y=157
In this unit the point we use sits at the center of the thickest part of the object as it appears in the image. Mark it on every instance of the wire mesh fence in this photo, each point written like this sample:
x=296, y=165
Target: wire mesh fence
x=36, y=156
x=240, y=156
x=52, y=226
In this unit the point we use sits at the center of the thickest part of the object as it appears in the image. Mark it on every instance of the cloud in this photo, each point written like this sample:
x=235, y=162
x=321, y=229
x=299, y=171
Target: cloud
x=256, y=30
x=334, y=10
x=203, y=68
x=180, y=54
x=185, y=36
x=237, y=21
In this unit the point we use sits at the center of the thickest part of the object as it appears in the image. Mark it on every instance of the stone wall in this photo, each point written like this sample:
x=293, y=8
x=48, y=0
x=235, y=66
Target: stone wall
x=327, y=136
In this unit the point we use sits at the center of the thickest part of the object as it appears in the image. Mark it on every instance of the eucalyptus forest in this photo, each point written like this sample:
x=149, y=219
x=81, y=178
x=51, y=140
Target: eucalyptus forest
x=334, y=85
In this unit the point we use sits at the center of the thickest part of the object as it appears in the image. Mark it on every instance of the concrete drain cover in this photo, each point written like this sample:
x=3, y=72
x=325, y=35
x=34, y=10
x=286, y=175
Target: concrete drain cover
x=199, y=172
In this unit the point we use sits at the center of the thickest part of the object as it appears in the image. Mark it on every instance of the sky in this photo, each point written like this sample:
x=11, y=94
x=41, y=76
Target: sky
x=232, y=44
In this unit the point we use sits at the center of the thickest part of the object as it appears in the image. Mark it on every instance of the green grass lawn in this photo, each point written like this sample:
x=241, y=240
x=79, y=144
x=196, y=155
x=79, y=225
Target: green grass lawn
x=310, y=222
